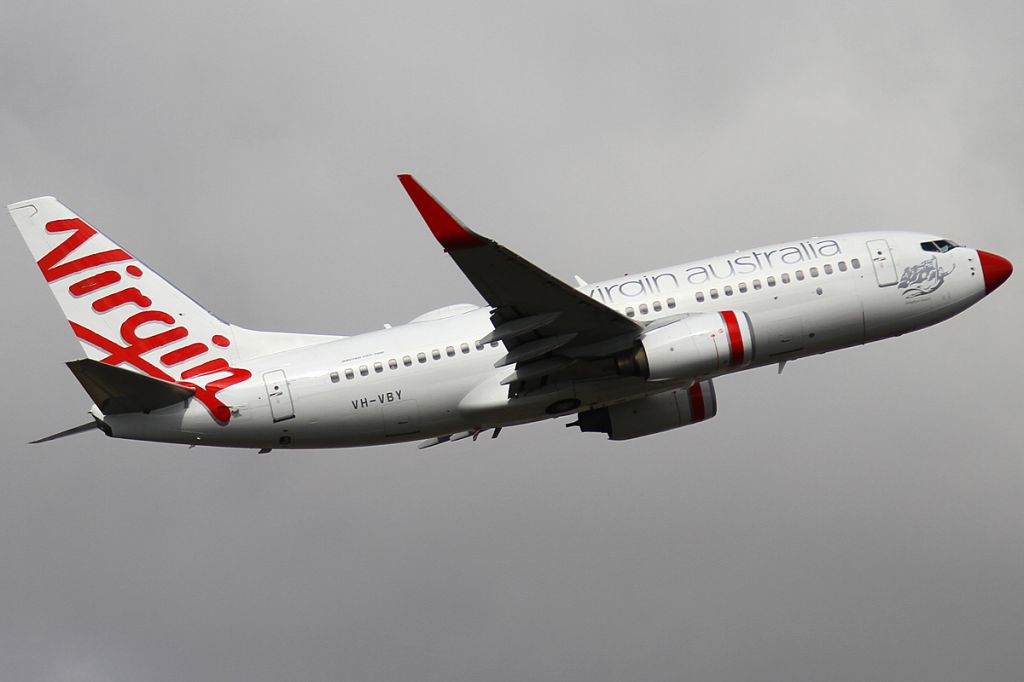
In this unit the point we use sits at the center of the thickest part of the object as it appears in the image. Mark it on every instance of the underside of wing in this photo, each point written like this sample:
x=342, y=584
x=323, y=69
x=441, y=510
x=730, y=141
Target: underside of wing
x=546, y=324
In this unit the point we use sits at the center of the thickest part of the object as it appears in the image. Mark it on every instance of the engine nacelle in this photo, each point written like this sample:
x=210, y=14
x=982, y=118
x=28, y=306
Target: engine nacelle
x=653, y=414
x=693, y=347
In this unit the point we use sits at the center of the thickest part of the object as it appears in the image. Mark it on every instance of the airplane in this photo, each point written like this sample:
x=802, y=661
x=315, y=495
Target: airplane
x=629, y=357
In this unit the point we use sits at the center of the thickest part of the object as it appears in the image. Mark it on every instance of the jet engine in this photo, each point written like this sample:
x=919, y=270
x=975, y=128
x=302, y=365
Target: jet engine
x=692, y=347
x=652, y=414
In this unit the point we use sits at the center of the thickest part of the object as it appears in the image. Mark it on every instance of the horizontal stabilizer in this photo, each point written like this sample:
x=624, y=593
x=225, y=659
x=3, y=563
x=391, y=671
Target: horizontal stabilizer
x=91, y=426
x=119, y=391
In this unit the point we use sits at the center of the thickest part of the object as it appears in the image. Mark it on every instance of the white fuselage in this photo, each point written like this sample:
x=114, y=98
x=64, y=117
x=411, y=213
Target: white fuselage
x=431, y=378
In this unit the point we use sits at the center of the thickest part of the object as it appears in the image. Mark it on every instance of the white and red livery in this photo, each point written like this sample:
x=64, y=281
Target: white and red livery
x=629, y=356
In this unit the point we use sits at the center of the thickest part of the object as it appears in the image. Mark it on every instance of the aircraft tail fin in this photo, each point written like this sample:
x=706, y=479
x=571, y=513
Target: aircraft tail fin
x=107, y=294
x=126, y=315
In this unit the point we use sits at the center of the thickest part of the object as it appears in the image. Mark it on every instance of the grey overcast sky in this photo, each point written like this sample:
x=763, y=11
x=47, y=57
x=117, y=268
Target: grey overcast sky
x=860, y=517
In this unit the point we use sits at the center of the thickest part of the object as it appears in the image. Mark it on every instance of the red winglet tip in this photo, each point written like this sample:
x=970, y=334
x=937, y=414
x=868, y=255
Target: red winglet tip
x=447, y=229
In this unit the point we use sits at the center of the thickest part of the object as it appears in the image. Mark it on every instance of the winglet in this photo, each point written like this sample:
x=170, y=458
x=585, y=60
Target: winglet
x=447, y=229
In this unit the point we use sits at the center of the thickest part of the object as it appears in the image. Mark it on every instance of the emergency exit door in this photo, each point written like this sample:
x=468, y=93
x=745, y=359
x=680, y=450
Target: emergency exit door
x=881, y=259
x=278, y=395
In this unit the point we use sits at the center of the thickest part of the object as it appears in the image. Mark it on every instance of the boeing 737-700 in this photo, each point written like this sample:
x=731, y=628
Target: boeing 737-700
x=629, y=357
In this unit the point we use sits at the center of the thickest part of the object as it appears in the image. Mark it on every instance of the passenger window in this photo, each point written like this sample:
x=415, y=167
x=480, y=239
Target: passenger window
x=714, y=293
x=657, y=306
x=842, y=266
x=784, y=277
x=421, y=357
x=464, y=348
x=727, y=289
x=700, y=297
x=770, y=280
x=643, y=308
x=479, y=346
x=742, y=286
x=494, y=344
x=828, y=268
x=630, y=312
x=349, y=374
x=450, y=350
x=756, y=284
x=855, y=263
x=814, y=272
x=377, y=367
x=436, y=354
x=407, y=361
x=335, y=378
x=800, y=275
x=363, y=370
x=392, y=364
x=671, y=303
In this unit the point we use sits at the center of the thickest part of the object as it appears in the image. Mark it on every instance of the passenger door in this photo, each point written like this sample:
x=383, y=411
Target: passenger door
x=881, y=259
x=279, y=396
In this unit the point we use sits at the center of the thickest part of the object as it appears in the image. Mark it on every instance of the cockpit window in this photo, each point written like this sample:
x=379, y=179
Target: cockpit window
x=939, y=245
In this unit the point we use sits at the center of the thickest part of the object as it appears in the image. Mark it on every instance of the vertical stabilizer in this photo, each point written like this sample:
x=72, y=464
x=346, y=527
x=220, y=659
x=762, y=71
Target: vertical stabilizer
x=123, y=313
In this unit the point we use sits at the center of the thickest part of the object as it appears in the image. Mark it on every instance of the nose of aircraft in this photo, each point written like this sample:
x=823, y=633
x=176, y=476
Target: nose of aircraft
x=995, y=269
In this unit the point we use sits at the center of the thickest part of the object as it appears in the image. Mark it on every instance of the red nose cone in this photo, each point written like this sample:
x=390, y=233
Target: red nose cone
x=995, y=270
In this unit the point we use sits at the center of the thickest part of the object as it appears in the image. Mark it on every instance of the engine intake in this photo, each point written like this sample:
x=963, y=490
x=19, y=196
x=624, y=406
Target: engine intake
x=653, y=414
x=693, y=347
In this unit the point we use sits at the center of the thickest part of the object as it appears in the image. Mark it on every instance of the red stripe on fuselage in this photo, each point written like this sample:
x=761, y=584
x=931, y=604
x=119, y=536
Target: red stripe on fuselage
x=735, y=338
x=696, y=395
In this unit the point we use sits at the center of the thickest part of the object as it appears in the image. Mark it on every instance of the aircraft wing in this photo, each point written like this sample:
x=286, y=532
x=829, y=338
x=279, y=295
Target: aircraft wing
x=544, y=322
